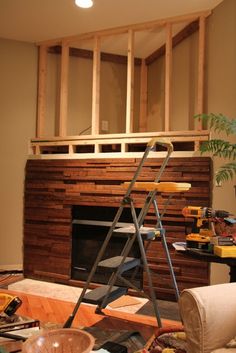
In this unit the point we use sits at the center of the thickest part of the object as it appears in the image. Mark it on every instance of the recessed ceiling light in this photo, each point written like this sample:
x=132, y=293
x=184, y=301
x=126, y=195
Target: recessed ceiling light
x=84, y=3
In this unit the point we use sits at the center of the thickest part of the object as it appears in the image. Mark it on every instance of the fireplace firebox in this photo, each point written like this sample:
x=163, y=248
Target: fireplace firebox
x=89, y=228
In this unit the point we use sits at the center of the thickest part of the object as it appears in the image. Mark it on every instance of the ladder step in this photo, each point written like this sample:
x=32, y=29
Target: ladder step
x=97, y=295
x=147, y=233
x=113, y=263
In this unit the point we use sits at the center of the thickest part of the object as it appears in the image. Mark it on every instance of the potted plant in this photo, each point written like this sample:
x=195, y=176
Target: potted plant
x=220, y=147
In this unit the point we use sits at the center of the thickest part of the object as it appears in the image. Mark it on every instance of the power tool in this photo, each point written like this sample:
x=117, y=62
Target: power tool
x=203, y=227
x=9, y=304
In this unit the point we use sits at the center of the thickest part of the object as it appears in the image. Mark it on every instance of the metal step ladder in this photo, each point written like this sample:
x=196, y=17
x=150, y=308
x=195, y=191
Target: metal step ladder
x=102, y=296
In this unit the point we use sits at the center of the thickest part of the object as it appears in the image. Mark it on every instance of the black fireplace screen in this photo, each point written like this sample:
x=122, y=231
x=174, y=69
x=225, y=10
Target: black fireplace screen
x=89, y=229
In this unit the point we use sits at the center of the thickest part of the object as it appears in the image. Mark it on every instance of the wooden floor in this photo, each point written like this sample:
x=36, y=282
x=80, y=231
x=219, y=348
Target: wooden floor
x=49, y=310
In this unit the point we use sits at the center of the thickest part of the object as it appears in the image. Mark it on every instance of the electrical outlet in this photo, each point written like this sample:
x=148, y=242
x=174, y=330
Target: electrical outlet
x=104, y=125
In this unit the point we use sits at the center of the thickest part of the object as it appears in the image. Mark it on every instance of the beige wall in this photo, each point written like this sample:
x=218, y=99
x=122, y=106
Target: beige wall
x=18, y=87
x=113, y=85
x=183, y=93
x=18, y=70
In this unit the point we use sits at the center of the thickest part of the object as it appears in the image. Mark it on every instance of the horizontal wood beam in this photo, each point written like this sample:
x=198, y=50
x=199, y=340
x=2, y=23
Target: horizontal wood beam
x=122, y=59
x=177, y=39
x=125, y=29
x=88, y=54
x=170, y=134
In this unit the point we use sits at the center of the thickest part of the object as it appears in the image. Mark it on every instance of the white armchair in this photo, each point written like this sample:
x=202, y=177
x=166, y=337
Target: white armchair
x=209, y=317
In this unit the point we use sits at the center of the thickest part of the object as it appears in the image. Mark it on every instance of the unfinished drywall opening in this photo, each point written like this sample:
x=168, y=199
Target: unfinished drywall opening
x=133, y=84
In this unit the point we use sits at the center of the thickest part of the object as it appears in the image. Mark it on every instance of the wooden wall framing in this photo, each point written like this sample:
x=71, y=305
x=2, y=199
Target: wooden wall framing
x=196, y=21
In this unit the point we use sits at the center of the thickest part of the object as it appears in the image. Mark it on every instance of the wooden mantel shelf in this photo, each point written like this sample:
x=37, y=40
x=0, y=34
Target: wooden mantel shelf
x=113, y=145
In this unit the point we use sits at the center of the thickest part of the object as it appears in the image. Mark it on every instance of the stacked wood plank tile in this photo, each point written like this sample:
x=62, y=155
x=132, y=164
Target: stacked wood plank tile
x=53, y=187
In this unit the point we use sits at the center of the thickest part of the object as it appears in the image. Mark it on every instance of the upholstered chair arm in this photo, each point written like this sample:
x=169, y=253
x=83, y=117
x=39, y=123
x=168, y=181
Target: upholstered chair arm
x=209, y=316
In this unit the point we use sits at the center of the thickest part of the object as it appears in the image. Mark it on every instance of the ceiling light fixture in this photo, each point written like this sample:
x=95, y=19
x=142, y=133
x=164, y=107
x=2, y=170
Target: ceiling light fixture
x=85, y=4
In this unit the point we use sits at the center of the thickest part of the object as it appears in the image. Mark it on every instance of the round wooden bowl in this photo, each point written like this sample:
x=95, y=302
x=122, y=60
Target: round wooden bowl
x=59, y=341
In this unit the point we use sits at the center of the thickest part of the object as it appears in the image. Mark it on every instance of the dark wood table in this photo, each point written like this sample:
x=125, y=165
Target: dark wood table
x=208, y=257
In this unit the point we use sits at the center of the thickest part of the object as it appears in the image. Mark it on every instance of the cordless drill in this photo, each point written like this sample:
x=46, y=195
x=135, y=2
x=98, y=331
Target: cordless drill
x=9, y=304
x=200, y=235
x=202, y=214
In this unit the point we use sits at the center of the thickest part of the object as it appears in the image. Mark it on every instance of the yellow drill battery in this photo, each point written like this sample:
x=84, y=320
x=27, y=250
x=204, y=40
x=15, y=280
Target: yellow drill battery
x=225, y=250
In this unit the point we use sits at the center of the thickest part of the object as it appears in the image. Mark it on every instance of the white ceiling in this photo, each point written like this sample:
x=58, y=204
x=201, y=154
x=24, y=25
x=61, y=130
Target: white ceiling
x=39, y=20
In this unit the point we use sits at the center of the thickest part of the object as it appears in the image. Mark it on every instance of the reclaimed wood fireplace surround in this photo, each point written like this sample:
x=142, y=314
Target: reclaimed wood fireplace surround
x=65, y=170
x=53, y=187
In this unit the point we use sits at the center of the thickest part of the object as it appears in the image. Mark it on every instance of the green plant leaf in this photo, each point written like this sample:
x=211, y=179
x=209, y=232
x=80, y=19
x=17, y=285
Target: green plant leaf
x=219, y=122
x=226, y=172
x=218, y=147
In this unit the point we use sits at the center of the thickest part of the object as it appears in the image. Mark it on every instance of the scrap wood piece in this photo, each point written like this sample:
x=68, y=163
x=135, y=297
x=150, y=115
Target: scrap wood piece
x=125, y=300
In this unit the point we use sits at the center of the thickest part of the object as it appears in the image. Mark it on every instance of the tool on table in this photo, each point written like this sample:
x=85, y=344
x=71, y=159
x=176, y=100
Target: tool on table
x=203, y=228
x=9, y=304
x=13, y=326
